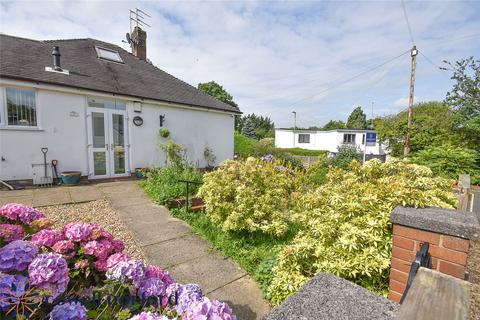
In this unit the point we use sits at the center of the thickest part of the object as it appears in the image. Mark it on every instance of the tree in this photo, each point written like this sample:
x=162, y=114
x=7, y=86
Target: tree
x=357, y=119
x=215, y=90
x=464, y=98
x=433, y=125
x=334, y=124
x=248, y=129
x=263, y=126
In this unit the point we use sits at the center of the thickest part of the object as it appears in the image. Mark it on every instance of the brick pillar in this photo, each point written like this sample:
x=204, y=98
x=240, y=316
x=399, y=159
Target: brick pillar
x=448, y=232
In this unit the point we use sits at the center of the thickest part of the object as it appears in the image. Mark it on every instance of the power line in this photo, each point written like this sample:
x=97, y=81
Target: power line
x=342, y=82
x=408, y=22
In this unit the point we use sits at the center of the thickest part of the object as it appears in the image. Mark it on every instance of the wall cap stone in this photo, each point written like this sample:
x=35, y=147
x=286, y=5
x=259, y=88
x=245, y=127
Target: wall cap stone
x=326, y=296
x=444, y=221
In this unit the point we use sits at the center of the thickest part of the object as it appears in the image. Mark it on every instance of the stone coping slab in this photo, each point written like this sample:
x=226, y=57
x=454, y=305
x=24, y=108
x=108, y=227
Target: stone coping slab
x=326, y=296
x=444, y=221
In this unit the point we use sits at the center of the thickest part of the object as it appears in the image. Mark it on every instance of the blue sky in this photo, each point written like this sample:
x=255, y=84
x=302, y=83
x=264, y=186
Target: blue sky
x=275, y=57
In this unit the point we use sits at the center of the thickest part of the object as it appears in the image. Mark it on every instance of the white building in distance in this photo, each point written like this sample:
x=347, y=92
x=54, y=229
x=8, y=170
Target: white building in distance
x=364, y=140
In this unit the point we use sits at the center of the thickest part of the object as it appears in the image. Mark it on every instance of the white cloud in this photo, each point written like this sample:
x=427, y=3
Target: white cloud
x=275, y=56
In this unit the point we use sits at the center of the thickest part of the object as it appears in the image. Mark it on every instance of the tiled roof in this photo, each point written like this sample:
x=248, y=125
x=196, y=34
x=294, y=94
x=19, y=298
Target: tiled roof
x=26, y=59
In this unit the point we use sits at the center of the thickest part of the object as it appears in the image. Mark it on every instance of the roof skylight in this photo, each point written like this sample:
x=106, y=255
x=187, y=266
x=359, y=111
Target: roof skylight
x=108, y=54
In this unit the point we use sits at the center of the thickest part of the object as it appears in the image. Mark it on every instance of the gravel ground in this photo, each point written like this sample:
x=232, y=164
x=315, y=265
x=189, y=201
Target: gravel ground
x=99, y=212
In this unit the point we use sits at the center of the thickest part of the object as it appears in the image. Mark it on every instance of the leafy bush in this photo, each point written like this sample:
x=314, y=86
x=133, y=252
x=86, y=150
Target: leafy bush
x=251, y=195
x=450, y=162
x=77, y=272
x=316, y=174
x=175, y=153
x=346, y=153
x=162, y=183
x=346, y=223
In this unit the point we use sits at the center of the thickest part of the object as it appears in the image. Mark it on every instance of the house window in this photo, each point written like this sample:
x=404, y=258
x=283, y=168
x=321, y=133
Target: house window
x=108, y=54
x=107, y=104
x=349, y=138
x=21, y=107
x=303, y=138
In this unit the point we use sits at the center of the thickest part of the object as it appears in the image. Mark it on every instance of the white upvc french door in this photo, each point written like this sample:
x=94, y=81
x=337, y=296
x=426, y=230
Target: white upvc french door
x=107, y=143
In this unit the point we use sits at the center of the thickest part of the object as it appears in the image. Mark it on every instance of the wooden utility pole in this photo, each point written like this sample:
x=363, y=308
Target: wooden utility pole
x=414, y=53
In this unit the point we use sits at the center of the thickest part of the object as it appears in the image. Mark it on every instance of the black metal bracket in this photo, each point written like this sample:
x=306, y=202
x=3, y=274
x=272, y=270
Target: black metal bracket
x=422, y=259
x=188, y=182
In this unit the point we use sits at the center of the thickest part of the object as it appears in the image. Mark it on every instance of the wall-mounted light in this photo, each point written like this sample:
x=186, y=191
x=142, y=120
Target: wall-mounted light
x=162, y=120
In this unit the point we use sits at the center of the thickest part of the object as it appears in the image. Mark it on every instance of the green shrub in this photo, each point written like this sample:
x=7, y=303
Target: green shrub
x=346, y=223
x=162, y=183
x=316, y=174
x=346, y=153
x=251, y=195
x=449, y=161
x=175, y=153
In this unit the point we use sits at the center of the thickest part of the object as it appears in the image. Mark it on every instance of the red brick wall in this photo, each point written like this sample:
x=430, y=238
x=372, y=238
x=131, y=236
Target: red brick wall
x=449, y=256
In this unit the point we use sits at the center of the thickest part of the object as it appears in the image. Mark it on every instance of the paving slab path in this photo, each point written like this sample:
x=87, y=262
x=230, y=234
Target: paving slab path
x=167, y=242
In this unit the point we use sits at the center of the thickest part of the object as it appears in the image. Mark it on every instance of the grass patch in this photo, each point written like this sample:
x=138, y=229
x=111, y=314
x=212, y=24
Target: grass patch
x=304, y=152
x=254, y=252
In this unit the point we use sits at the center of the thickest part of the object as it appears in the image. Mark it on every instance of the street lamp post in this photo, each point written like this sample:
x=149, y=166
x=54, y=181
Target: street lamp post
x=294, y=126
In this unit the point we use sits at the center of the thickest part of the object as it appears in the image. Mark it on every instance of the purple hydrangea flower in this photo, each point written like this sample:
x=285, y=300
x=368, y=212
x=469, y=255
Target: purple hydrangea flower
x=148, y=316
x=17, y=255
x=115, y=258
x=152, y=287
x=267, y=158
x=209, y=309
x=29, y=215
x=49, y=271
x=118, y=245
x=69, y=311
x=78, y=231
x=12, y=287
x=46, y=238
x=187, y=294
x=131, y=270
x=155, y=272
x=11, y=232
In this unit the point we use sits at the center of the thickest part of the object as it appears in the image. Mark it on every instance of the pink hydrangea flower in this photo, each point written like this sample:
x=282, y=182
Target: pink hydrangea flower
x=101, y=265
x=11, y=232
x=64, y=247
x=99, y=249
x=14, y=211
x=118, y=245
x=78, y=231
x=148, y=316
x=115, y=258
x=46, y=238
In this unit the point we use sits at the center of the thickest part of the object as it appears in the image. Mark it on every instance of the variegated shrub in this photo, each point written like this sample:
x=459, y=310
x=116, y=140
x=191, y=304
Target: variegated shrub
x=346, y=223
x=251, y=195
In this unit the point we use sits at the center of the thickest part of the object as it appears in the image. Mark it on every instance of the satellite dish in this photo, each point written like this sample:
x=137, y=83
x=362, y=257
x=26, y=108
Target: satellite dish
x=127, y=36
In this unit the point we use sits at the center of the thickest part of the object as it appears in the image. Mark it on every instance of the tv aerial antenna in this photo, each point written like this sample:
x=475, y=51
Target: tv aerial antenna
x=137, y=19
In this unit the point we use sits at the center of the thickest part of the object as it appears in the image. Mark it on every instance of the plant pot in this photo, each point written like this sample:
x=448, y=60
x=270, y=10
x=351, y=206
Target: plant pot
x=71, y=177
x=139, y=173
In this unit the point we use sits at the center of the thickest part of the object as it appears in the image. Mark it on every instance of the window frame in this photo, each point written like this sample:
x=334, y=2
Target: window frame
x=98, y=50
x=4, y=109
x=352, y=141
x=303, y=135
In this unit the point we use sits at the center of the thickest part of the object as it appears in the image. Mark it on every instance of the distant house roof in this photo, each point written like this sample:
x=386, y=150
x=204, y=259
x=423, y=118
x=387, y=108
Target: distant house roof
x=334, y=130
x=26, y=59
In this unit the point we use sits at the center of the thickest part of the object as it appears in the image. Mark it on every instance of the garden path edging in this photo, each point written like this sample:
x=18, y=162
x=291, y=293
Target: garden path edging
x=171, y=243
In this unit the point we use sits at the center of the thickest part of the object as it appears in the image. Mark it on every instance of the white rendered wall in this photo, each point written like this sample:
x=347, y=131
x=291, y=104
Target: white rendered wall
x=63, y=130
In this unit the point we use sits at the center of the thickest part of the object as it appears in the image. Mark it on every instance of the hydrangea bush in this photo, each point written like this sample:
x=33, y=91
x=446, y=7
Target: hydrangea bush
x=49, y=274
x=251, y=195
x=346, y=223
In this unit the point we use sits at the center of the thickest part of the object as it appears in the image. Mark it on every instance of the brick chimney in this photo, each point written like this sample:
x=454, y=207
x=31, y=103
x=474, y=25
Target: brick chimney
x=139, y=43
